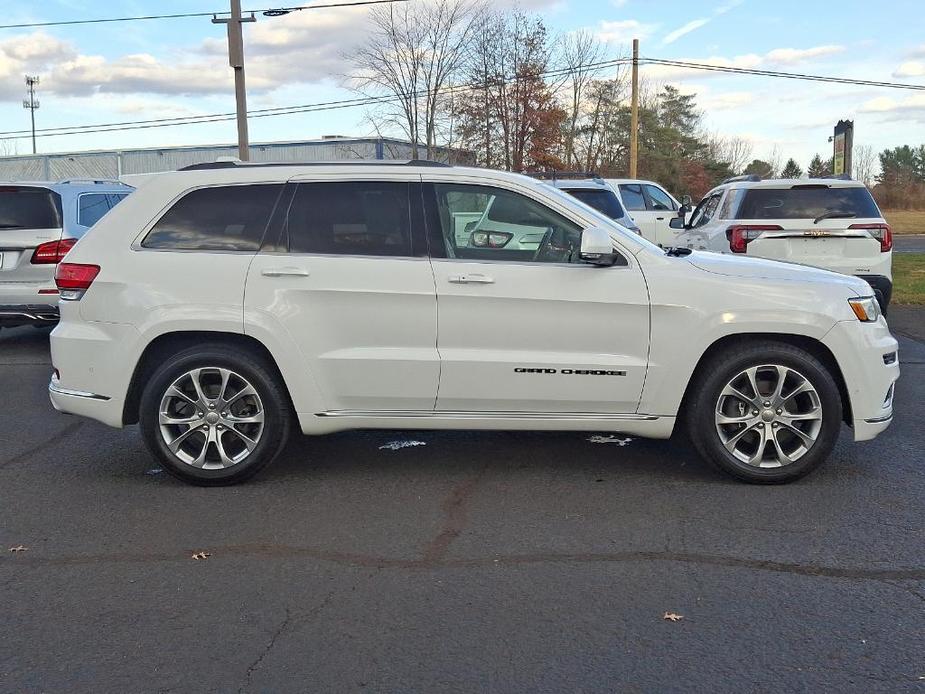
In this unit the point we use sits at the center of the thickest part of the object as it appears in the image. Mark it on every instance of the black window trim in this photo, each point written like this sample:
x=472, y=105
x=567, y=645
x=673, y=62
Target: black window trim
x=642, y=192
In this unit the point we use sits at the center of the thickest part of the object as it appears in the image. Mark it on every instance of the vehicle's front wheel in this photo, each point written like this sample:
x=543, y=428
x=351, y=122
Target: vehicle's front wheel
x=764, y=412
x=214, y=415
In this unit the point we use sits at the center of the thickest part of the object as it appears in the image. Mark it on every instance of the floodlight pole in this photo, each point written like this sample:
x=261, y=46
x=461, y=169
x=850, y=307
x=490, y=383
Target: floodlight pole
x=31, y=104
x=236, y=60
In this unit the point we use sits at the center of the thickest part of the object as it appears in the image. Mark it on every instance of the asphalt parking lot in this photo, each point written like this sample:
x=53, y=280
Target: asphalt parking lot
x=909, y=243
x=479, y=561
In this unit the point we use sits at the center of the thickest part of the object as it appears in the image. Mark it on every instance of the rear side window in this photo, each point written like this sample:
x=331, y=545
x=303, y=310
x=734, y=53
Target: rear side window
x=351, y=218
x=632, y=196
x=604, y=201
x=806, y=202
x=27, y=207
x=223, y=218
x=92, y=206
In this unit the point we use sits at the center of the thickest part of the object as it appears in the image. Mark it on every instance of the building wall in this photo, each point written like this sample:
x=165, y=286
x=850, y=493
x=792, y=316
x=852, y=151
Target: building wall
x=111, y=165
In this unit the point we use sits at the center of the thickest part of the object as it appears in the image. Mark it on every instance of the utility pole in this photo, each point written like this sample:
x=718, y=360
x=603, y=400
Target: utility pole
x=634, y=112
x=31, y=103
x=236, y=60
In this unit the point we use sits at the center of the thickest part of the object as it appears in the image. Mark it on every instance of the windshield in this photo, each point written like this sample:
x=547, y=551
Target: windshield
x=23, y=207
x=807, y=202
x=604, y=201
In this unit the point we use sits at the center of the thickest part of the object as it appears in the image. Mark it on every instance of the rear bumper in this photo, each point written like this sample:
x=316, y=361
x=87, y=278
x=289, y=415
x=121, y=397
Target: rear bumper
x=28, y=314
x=85, y=404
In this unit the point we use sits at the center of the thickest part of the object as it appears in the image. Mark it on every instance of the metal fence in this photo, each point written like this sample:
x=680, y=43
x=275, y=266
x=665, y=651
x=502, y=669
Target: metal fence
x=116, y=163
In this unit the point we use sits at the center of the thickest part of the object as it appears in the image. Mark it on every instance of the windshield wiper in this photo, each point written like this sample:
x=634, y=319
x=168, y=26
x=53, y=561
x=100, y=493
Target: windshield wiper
x=832, y=214
x=677, y=251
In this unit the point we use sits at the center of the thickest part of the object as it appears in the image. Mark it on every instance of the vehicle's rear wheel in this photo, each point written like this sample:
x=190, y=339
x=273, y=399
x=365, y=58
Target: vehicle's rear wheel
x=214, y=415
x=764, y=412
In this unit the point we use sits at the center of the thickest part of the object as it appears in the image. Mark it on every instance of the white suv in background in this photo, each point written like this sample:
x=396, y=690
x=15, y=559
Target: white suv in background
x=651, y=207
x=224, y=305
x=832, y=223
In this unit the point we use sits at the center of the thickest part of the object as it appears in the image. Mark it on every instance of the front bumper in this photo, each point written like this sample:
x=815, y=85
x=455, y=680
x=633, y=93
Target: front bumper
x=12, y=315
x=869, y=361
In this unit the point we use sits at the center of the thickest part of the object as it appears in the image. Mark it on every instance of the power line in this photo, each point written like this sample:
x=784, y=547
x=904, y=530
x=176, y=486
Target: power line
x=277, y=111
x=372, y=100
x=269, y=12
x=784, y=75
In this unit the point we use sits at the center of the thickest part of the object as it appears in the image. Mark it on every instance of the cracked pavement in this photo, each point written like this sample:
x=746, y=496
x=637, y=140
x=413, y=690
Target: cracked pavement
x=490, y=561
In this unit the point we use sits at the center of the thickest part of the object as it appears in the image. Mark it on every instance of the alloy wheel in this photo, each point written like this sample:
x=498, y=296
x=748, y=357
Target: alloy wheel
x=768, y=416
x=211, y=418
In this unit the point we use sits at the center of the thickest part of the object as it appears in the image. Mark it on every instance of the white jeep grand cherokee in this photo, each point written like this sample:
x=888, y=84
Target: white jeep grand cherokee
x=221, y=306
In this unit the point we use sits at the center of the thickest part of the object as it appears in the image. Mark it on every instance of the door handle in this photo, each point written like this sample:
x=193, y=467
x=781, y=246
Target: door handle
x=284, y=272
x=660, y=219
x=470, y=279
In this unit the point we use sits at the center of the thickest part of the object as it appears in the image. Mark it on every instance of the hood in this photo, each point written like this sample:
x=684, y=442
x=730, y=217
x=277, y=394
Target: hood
x=760, y=268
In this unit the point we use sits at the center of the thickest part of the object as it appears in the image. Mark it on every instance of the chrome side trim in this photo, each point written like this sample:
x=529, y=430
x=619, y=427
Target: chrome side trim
x=486, y=415
x=879, y=420
x=58, y=390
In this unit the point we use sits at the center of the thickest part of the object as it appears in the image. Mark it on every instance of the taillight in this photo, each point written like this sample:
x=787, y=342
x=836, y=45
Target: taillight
x=879, y=231
x=490, y=239
x=73, y=279
x=53, y=252
x=740, y=234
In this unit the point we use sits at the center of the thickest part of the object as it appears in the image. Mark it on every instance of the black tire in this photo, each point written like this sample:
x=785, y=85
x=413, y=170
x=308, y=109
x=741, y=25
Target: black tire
x=261, y=376
x=713, y=376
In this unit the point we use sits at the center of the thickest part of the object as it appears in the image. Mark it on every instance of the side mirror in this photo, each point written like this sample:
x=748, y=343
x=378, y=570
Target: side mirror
x=676, y=223
x=596, y=246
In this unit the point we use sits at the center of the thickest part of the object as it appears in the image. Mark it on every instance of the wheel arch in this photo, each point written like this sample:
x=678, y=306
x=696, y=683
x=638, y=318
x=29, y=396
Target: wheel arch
x=809, y=344
x=167, y=344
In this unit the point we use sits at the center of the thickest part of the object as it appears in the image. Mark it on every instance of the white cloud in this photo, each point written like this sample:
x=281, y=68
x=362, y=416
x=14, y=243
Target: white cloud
x=624, y=31
x=918, y=52
x=789, y=56
x=887, y=104
x=681, y=31
x=912, y=68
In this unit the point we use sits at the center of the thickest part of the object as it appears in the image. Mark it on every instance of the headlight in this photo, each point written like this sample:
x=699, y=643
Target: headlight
x=866, y=309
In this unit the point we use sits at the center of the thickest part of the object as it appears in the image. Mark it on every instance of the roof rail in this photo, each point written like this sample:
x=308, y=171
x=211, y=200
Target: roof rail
x=110, y=181
x=840, y=177
x=557, y=175
x=343, y=162
x=751, y=178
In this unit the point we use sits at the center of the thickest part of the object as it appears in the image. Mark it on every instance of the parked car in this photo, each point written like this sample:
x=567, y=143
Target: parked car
x=39, y=223
x=651, y=207
x=598, y=194
x=223, y=305
x=832, y=223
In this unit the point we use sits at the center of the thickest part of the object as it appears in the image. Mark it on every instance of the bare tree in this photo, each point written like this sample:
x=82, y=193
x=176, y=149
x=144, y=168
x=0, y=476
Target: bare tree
x=863, y=161
x=9, y=147
x=413, y=53
x=735, y=151
x=579, y=52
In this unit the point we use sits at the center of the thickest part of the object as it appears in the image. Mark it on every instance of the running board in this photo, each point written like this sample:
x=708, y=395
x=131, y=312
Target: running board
x=411, y=414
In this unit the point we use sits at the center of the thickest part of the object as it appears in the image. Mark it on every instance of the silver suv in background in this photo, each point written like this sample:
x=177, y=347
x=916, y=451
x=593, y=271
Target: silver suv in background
x=39, y=223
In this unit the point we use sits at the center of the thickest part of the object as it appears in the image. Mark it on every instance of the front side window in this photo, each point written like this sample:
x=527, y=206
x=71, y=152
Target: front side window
x=705, y=210
x=658, y=199
x=604, y=201
x=223, y=218
x=351, y=218
x=633, y=197
x=92, y=206
x=486, y=223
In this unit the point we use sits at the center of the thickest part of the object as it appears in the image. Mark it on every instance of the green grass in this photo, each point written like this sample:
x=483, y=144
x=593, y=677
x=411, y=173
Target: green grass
x=906, y=221
x=909, y=278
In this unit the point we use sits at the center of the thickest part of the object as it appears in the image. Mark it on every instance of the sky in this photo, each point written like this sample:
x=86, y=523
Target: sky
x=178, y=67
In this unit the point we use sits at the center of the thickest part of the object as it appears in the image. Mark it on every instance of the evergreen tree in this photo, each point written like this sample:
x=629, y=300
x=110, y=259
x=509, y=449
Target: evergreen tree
x=761, y=168
x=791, y=169
x=818, y=168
